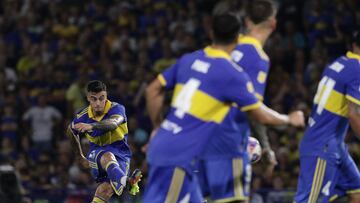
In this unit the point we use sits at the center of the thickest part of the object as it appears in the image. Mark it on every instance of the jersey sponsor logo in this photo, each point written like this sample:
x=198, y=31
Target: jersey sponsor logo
x=200, y=66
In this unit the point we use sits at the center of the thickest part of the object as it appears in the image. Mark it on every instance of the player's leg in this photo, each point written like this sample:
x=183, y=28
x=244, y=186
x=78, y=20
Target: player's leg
x=317, y=179
x=349, y=180
x=171, y=185
x=229, y=179
x=103, y=193
x=116, y=174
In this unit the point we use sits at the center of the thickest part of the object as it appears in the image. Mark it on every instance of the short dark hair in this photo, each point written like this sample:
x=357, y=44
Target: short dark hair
x=355, y=38
x=95, y=86
x=225, y=28
x=259, y=11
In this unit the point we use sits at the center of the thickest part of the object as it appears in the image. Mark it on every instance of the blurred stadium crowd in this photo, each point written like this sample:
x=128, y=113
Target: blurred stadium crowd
x=49, y=49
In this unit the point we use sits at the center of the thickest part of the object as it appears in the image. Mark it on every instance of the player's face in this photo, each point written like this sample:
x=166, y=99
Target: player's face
x=97, y=101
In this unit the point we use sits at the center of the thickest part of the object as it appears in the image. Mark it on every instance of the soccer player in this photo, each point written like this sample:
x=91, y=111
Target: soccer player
x=104, y=124
x=327, y=170
x=260, y=21
x=208, y=90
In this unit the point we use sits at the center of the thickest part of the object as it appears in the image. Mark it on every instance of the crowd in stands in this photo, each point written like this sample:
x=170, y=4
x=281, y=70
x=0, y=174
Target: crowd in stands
x=49, y=49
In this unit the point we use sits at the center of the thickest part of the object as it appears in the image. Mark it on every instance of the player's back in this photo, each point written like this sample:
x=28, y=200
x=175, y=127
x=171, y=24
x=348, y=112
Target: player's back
x=205, y=84
x=329, y=123
x=250, y=55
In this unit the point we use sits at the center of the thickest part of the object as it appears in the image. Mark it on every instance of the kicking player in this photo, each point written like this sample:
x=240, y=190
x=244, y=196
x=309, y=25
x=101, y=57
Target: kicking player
x=327, y=171
x=104, y=124
x=208, y=90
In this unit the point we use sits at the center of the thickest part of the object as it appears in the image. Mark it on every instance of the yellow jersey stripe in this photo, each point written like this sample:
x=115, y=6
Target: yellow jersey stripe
x=259, y=96
x=336, y=103
x=109, y=137
x=214, y=110
x=83, y=112
x=162, y=80
x=175, y=186
x=251, y=106
x=352, y=99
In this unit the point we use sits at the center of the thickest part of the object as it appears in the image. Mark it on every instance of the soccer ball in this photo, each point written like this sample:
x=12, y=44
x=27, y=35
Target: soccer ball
x=254, y=150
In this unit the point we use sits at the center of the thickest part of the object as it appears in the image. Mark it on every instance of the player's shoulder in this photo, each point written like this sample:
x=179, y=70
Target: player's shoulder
x=251, y=48
x=345, y=66
x=82, y=113
x=117, y=107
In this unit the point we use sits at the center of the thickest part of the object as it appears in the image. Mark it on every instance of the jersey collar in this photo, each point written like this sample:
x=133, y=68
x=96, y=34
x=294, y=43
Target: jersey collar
x=352, y=55
x=106, y=109
x=246, y=39
x=216, y=53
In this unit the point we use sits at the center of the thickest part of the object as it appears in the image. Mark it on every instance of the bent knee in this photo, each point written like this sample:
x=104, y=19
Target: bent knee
x=106, y=158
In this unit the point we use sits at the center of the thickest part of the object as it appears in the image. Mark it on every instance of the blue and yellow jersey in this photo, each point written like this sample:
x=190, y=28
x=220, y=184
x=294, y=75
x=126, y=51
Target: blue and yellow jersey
x=116, y=138
x=329, y=123
x=249, y=55
x=208, y=87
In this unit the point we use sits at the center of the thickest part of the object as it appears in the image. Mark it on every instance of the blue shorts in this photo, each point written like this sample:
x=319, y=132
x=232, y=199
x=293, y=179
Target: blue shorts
x=171, y=184
x=98, y=173
x=324, y=179
x=225, y=180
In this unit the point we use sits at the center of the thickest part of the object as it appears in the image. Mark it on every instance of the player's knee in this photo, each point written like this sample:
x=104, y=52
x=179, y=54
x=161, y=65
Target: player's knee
x=106, y=158
x=104, y=191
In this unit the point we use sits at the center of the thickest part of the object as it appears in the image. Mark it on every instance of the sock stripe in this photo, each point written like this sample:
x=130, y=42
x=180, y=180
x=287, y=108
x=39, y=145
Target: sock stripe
x=98, y=200
x=109, y=163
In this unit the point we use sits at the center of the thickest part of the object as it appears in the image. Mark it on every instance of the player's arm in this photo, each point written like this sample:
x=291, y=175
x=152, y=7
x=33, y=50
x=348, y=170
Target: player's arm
x=104, y=125
x=69, y=133
x=354, y=117
x=155, y=95
x=259, y=131
x=267, y=116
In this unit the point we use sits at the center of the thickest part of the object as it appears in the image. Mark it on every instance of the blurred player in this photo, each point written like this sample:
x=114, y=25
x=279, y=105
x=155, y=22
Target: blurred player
x=104, y=124
x=223, y=154
x=260, y=21
x=327, y=169
x=208, y=90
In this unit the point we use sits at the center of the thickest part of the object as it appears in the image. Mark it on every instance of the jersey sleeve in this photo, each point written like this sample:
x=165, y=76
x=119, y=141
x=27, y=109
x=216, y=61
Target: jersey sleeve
x=241, y=91
x=353, y=89
x=168, y=77
x=118, y=110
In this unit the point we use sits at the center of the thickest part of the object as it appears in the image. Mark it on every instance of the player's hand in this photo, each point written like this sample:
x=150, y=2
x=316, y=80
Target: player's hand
x=297, y=119
x=270, y=156
x=83, y=162
x=83, y=127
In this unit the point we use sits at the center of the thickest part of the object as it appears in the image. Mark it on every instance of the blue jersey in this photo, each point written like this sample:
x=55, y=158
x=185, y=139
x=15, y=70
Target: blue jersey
x=250, y=55
x=115, y=139
x=206, y=85
x=329, y=122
